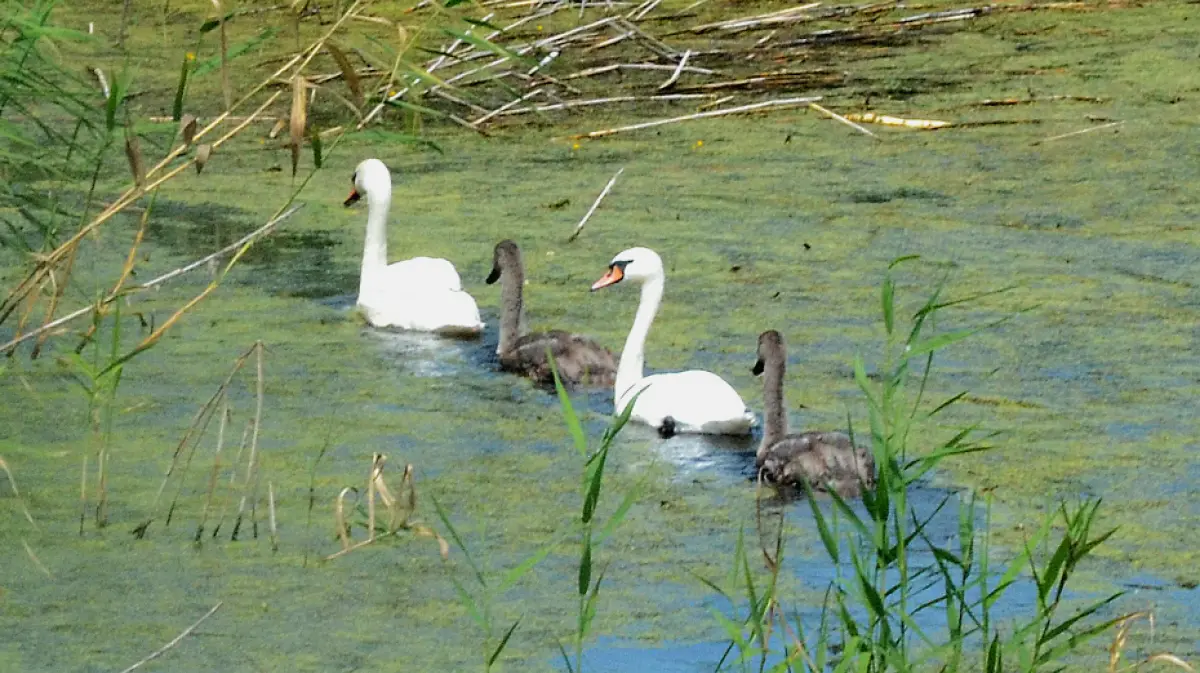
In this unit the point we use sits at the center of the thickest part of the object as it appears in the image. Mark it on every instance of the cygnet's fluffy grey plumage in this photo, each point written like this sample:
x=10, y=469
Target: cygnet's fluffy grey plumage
x=580, y=360
x=828, y=461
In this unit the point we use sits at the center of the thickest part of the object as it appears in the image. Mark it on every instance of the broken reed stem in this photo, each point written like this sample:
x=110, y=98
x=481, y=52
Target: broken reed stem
x=252, y=461
x=83, y=492
x=604, y=101
x=33, y=557
x=271, y=513
x=215, y=475
x=506, y=106
x=835, y=116
x=174, y=641
x=12, y=481
x=785, y=102
x=678, y=71
x=595, y=204
x=196, y=429
x=113, y=296
x=376, y=471
x=232, y=479
x=1078, y=133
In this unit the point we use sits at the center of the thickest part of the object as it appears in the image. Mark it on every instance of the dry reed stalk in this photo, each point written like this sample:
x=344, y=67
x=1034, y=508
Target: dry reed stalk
x=233, y=478
x=187, y=128
x=12, y=481
x=55, y=297
x=837, y=117
x=252, y=462
x=128, y=197
x=399, y=513
x=215, y=474
x=886, y=120
x=678, y=71
x=339, y=518
x=271, y=514
x=653, y=43
x=753, y=107
x=83, y=493
x=195, y=430
x=113, y=296
x=174, y=641
x=349, y=74
x=506, y=106
x=33, y=557
x=603, y=101
x=1078, y=133
x=595, y=204
x=226, y=87
x=376, y=472
x=298, y=118
x=133, y=193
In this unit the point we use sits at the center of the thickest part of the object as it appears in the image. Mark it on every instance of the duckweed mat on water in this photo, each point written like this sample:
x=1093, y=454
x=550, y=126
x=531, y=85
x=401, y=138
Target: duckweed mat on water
x=783, y=221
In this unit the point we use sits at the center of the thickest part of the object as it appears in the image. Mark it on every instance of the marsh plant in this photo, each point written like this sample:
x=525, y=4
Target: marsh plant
x=891, y=576
x=478, y=596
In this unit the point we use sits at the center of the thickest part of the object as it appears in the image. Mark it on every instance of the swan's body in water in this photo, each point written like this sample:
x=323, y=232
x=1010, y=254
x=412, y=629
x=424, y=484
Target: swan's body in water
x=422, y=294
x=828, y=461
x=580, y=360
x=684, y=402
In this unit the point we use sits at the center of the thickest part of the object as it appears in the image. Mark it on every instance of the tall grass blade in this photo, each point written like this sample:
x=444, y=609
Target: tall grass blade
x=445, y=519
x=520, y=570
x=568, y=410
x=503, y=641
x=181, y=88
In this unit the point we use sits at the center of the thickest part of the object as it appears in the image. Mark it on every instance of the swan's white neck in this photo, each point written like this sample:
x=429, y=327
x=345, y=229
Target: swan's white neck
x=379, y=200
x=633, y=356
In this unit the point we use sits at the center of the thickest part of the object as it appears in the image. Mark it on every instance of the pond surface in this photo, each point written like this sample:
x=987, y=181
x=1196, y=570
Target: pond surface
x=785, y=221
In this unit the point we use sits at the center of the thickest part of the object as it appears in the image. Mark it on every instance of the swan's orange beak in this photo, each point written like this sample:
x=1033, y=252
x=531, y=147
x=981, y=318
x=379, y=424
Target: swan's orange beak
x=614, y=275
x=353, y=198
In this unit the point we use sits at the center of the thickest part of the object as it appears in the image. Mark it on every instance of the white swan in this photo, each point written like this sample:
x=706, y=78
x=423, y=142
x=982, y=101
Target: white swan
x=422, y=294
x=693, y=401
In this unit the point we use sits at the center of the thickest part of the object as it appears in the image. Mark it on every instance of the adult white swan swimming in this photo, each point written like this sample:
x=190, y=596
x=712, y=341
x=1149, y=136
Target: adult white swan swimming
x=693, y=401
x=422, y=293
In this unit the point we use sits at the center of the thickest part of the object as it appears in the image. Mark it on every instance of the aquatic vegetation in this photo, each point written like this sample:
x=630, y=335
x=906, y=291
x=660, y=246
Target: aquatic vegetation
x=870, y=618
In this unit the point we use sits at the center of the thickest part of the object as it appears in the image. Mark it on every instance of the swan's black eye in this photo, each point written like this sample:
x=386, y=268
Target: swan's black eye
x=621, y=264
x=354, y=178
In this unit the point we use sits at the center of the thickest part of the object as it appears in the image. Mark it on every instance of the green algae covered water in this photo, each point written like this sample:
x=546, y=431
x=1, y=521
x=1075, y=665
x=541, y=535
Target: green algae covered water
x=785, y=221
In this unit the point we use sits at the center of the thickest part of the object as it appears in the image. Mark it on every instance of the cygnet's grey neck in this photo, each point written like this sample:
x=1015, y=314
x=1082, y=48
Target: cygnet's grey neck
x=775, y=423
x=512, y=299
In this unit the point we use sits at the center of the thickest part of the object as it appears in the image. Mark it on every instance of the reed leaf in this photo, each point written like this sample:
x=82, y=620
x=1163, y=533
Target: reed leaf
x=181, y=87
x=349, y=74
x=503, y=641
x=187, y=128
x=298, y=118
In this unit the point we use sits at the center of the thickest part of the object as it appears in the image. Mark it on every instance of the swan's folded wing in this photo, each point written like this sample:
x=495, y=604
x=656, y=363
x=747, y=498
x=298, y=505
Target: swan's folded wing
x=421, y=274
x=580, y=360
x=826, y=460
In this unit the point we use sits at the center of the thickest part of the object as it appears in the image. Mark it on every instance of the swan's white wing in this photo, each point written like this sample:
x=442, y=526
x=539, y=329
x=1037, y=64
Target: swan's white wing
x=426, y=273
x=449, y=312
x=698, y=401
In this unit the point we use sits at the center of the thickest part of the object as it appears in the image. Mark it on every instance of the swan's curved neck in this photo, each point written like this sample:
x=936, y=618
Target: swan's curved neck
x=633, y=356
x=512, y=320
x=375, y=248
x=775, y=423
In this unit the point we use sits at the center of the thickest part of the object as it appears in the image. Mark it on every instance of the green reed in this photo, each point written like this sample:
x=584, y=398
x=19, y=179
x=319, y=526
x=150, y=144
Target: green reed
x=870, y=617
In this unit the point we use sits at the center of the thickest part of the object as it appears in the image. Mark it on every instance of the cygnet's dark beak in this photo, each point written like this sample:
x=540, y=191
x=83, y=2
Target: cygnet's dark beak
x=493, y=276
x=353, y=198
x=757, y=369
